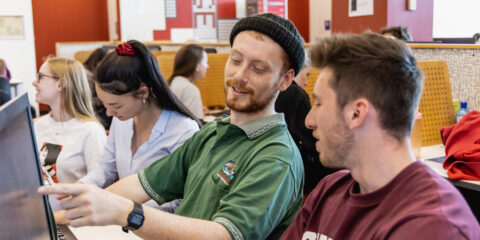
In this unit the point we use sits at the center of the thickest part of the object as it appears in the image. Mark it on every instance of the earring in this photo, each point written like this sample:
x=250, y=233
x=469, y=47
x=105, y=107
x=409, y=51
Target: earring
x=143, y=101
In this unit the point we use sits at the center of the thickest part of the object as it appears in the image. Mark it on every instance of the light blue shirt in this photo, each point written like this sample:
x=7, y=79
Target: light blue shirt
x=171, y=130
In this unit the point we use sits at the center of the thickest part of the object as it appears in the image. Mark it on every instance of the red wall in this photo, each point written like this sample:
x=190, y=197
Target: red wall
x=342, y=23
x=298, y=13
x=183, y=20
x=226, y=9
x=419, y=22
x=63, y=21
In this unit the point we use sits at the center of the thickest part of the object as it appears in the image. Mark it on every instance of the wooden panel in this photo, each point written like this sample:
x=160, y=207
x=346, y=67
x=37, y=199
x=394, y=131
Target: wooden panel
x=82, y=56
x=314, y=72
x=436, y=102
x=211, y=87
x=165, y=62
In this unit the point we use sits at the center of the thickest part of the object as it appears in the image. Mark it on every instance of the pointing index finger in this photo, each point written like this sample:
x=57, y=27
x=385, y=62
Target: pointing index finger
x=65, y=189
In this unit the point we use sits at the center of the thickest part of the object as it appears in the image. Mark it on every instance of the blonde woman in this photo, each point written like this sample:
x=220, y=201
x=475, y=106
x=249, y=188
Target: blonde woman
x=70, y=139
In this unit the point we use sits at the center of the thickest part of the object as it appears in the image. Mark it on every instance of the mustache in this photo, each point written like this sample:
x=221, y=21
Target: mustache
x=240, y=86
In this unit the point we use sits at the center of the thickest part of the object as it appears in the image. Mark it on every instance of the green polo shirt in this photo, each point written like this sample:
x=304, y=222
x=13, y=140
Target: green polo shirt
x=249, y=178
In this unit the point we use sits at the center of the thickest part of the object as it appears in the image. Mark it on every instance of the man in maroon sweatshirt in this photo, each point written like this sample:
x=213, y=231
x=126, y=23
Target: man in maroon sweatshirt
x=365, y=101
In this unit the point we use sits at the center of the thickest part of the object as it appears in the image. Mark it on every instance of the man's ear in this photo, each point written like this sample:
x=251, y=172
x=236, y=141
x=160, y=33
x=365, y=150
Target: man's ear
x=356, y=112
x=286, y=80
x=142, y=92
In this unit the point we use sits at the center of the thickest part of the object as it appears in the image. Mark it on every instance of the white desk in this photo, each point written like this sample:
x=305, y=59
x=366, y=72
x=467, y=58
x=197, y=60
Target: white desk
x=110, y=232
x=435, y=151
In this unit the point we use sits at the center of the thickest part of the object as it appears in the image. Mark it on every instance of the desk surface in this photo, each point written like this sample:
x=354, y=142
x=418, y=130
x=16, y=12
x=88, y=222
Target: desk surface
x=105, y=232
x=435, y=151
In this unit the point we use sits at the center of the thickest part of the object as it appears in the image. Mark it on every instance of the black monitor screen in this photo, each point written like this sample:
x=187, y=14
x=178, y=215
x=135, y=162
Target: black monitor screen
x=23, y=212
x=455, y=40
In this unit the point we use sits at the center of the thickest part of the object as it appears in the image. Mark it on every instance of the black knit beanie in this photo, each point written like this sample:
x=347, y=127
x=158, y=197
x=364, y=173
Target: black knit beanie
x=279, y=29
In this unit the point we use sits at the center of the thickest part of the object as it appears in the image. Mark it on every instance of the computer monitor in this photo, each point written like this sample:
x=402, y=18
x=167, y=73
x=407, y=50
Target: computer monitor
x=455, y=40
x=24, y=214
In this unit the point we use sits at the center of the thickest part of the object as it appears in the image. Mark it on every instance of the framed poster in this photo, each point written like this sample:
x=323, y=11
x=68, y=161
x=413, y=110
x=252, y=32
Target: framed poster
x=360, y=8
x=12, y=27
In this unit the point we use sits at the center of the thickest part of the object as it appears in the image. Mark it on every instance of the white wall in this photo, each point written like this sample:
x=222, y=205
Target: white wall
x=138, y=19
x=19, y=53
x=112, y=20
x=320, y=11
x=455, y=18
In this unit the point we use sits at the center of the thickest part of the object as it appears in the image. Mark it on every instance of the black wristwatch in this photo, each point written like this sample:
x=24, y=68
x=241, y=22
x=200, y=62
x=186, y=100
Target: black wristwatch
x=135, y=218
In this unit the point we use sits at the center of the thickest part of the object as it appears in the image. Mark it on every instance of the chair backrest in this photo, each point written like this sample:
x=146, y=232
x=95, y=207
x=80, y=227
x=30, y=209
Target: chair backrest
x=311, y=79
x=165, y=62
x=82, y=56
x=211, y=87
x=436, y=102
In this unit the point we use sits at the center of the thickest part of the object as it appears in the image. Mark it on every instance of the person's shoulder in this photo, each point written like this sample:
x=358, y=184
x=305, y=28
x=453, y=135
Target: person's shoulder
x=41, y=120
x=334, y=180
x=181, y=121
x=91, y=125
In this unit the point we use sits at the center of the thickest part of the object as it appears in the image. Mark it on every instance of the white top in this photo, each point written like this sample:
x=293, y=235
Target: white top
x=168, y=133
x=82, y=145
x=189, y=95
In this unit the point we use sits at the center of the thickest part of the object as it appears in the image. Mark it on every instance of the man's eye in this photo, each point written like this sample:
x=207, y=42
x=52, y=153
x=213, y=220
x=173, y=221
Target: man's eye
x=258, y=69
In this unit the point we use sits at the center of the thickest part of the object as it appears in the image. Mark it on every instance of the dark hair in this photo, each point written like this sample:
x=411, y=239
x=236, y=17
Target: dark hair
x=94, y=59
x=399, y=32
x=186, y=61
x=476, y=37
x=380, y=69
x=121, y=74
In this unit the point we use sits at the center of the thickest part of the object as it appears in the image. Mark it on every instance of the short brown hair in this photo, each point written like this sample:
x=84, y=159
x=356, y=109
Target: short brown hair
x=382, y=70
x=399, y=32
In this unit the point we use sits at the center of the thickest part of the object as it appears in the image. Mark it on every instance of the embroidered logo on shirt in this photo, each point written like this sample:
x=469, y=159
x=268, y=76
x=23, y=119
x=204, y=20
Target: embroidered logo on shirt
x=227, y=173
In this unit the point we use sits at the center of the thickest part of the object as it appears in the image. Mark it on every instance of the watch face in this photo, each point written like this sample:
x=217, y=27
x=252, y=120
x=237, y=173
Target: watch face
x=136, y=219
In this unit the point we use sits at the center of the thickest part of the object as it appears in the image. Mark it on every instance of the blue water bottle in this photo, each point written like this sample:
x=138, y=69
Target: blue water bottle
x=462, y=111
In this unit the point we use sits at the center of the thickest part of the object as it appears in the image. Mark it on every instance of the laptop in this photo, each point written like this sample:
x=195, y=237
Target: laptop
x=24, y=214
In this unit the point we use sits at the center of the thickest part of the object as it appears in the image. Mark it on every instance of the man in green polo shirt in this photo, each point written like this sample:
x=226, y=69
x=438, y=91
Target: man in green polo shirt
x=240, y=177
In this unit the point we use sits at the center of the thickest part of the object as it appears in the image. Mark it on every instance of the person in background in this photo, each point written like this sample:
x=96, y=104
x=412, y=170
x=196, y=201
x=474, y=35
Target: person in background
x=4, y=71
x=5, y=94
x=476, y=38
x=399, y=32
x=365, y=102
x=148, y=122
x=295, y=104
x=190, y=65
x=240, y=177
x=70, y=139
x=91, y=66
x=302, y=77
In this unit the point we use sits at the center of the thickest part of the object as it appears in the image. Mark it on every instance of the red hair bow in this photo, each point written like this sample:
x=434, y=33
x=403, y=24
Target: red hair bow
x=125, y=49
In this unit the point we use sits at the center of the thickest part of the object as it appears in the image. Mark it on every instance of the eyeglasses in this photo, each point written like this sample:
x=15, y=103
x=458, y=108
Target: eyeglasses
x=41, y=75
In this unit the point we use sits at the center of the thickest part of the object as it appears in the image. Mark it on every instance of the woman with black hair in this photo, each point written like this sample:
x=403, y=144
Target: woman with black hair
x=189, y=66
x=148, y=122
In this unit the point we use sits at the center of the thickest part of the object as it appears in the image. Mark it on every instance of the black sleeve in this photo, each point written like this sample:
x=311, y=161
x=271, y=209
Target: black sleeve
x=295, y=104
